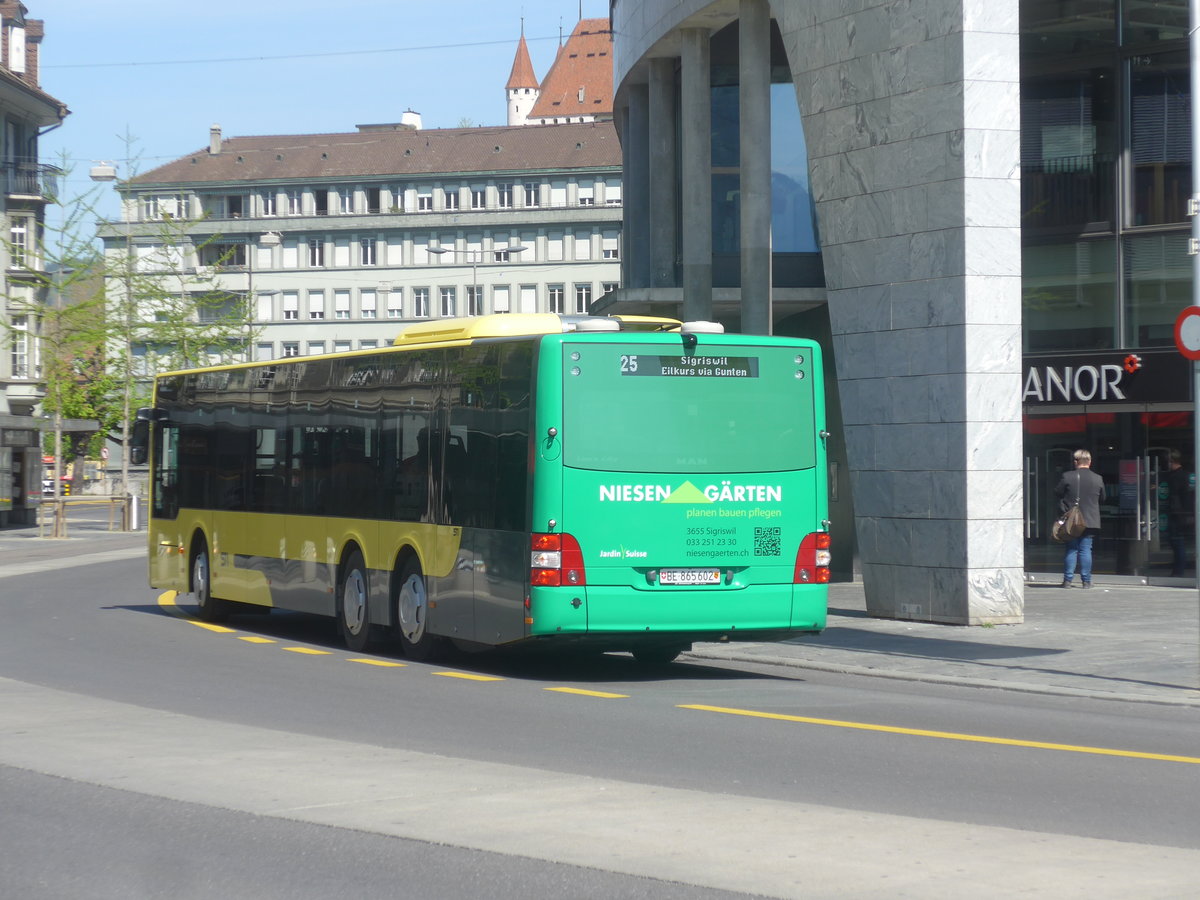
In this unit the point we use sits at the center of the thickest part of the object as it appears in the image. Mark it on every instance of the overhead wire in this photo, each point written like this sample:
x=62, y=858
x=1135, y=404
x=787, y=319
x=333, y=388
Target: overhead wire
x=289, y=56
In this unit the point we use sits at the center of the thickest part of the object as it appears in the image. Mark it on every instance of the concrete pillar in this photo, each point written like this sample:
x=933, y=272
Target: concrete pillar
x=663, y=210
x=754, y=101
x=914, y=150
x=696, y=158
x=635, y=194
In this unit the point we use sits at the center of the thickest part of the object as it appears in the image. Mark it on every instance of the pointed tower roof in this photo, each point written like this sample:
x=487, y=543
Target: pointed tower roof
x=521, y=75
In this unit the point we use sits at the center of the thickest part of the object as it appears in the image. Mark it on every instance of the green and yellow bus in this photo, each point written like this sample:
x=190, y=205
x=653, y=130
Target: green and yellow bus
x=615, y=483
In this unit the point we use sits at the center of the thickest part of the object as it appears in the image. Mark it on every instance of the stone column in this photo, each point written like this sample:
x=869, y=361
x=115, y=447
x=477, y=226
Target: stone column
x=754, y=101
x=912, y=116
x=696, y=115
x=635, y=194
x=663, y=209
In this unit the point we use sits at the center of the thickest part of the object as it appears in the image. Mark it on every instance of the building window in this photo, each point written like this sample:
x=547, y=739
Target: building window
x=366, y=251
x=316, y=253
x=474, y=300
x=501, y=255
x=587, y=195
x=290, y=348
x=368, y=344
x=424, y=202
x=447, y=298
x=19, y=340
x=500, y=302
x=341, y=346
x=583, y=298
x=291, y=305
x=316, y=304
x=295, y=203
x=266, y=203
x=341, y=304
x=374, y=199
x=583, y=246
x=531, y=194
x=366, y=300
x=608, y=287
x=478, y=198
x=321, y=202
x=264, y=352
x=421, y=303
x=554, y=295
x=265, y=308
x=18, y=237
x=451, y=197
x=612, y=193
x=504, y=196
x=316, y=348
x=346, y=201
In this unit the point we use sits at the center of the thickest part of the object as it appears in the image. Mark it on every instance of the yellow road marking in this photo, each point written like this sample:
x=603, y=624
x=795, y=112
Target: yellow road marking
x=468, y=677
x=209, y=626
x=946, y=735
x=379, y=662
x=167, y=601
x=583, y=693
x=257, y=640
x=311, y=651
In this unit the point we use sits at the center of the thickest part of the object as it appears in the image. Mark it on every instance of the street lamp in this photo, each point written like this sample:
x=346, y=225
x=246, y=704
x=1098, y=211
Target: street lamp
x=474, y=255
x=107, y=172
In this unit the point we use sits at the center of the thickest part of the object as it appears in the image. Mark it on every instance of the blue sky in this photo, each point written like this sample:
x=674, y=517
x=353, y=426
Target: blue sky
x=167, y=70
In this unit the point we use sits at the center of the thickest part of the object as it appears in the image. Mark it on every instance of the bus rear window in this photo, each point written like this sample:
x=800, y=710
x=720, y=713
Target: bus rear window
x=721, y=409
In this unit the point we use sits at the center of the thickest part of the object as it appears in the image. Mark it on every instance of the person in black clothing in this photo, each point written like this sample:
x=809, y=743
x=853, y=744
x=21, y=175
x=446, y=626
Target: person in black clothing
x=1085, y=487
x=1181, y=512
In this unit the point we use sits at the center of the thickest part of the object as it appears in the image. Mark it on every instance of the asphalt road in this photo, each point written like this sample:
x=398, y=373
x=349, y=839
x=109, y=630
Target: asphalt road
x=265, y=760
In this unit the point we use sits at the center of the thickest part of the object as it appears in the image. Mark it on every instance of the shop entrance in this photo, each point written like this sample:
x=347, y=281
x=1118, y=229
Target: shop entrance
x=1131, y=450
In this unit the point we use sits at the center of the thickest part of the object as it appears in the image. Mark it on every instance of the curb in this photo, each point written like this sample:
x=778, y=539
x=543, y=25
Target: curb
x=1188, y=697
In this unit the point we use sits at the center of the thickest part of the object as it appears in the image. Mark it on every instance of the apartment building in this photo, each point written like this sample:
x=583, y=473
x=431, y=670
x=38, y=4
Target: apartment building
x=336, y=241
x=27, y=113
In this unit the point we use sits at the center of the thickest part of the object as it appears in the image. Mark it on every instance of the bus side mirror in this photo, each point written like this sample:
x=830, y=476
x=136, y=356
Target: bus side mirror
x=139, y=439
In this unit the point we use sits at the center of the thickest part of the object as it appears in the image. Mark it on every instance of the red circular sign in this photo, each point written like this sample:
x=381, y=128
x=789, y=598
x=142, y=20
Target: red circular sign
x=1187, y=332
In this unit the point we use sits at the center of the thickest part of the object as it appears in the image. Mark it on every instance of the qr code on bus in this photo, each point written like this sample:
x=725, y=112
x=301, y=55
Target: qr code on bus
x=766, y=542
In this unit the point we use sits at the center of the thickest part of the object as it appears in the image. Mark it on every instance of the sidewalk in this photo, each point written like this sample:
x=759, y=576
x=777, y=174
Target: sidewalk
x=1118, y=641
x=1122, y=642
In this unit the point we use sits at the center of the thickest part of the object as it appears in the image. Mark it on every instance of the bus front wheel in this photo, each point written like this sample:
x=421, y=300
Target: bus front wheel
x=211, y=609
x=353, y=606
x=412, y=612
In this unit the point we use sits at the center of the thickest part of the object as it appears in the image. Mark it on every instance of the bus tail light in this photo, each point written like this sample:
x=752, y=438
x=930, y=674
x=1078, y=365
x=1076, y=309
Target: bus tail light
x=812, y=559
x=555, y=560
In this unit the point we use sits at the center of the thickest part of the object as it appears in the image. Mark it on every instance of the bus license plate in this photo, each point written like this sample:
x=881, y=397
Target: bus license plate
x=689, y=576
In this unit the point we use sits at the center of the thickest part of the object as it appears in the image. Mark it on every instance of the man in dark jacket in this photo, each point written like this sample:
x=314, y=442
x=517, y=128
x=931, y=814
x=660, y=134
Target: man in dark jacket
x=1085, y=487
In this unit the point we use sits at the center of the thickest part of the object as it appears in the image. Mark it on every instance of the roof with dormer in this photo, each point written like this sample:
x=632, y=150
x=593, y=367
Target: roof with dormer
x=400, y=153
x=580, y=83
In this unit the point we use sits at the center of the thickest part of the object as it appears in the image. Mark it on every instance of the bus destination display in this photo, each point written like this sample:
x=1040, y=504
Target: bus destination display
x=690, y=366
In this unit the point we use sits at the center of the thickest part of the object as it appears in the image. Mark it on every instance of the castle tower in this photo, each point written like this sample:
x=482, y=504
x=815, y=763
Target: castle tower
x=522, y=87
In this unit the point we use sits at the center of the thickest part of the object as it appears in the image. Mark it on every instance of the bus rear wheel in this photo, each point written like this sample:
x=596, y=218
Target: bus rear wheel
x=210, y=608
x=353, y=604
x=412, y=613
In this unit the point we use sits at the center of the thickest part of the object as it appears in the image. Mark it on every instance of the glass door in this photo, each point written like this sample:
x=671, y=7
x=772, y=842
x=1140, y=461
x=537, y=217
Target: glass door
x=1132, y=451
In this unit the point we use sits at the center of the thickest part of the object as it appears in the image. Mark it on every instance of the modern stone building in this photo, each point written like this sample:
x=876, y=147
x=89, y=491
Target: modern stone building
x=982, y=209
x=27, y=112
x=338, y=240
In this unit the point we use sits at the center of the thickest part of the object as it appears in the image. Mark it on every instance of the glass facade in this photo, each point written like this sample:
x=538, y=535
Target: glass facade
x=794, y=243
x=1106, y=173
